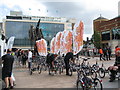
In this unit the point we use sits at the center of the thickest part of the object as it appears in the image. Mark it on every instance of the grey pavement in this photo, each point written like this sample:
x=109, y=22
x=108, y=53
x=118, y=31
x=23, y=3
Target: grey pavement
x=43, y=80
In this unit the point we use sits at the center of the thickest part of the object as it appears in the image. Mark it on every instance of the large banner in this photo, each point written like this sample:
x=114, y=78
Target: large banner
x=66, y=41
x=78, y=37
x=52, y=45
x=57, y=42
x=10, y=43
x=42, y=47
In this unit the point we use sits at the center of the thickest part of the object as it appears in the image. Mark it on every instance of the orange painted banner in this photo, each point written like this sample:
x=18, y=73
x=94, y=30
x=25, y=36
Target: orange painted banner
x=42, y=47
x=57, y=42
x=78, y=37
x=66, y=42
x=52, y=45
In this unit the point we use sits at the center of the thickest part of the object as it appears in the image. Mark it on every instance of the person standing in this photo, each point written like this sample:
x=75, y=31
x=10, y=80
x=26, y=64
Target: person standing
x=8, y=60
x=105, y=52
x=24, y=59
x=101, y=54
x=113, y=69
x=109, y=53
x=29, y=59
x=50, y=60
x=67, y=58
x=19, y=56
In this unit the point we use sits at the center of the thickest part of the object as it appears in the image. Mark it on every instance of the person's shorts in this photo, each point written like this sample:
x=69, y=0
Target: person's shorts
x=6, y=74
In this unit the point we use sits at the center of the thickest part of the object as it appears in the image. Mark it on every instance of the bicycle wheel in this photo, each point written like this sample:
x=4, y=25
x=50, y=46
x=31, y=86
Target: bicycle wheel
x=80, y=85
x=101, y=73
x=46, y=67
x=60, y=70
x=50, y=71
x=93, y=73
x=70, y=71
x=97, y=84
x=31, y=71
x=40, y=69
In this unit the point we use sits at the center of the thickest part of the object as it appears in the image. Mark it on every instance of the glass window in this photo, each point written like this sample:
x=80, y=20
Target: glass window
x=20, y=31
x=116, y=34
x=105, y=35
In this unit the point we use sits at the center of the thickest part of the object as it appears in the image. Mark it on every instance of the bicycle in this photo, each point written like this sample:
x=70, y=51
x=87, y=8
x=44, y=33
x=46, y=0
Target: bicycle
x=58, y=66
x=89, y=71
x=35, y=64
x=42, y=65
x=85, y=83
x=33, y=67
x=102, y=71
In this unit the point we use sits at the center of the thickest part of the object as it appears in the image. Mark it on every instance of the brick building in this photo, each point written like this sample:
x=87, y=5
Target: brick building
x=109, y=30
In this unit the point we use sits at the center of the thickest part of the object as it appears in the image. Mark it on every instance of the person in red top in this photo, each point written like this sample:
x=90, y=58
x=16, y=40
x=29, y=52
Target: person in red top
x=116, y=65
x=117, y=50
x=101, y=54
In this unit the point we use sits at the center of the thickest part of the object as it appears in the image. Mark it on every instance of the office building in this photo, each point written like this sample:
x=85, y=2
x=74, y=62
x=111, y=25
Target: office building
x=18, y=25
x=109, y=31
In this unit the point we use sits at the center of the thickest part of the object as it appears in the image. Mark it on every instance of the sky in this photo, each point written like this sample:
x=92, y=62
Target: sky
x=82, y=10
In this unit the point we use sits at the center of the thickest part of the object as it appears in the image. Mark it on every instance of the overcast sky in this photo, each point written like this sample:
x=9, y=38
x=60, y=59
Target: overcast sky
x=84, y=10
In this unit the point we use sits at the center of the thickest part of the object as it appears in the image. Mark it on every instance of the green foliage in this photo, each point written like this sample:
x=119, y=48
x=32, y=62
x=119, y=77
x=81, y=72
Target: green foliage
x=96, y=39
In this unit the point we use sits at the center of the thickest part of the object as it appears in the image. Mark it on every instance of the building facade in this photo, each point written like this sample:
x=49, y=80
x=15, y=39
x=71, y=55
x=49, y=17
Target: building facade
x=109, y=31
x=19, y=27
x=119, y=8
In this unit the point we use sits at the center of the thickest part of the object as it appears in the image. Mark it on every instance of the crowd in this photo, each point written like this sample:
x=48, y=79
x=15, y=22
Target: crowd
x=20, y=57
x=116, y=67
x=105, y=53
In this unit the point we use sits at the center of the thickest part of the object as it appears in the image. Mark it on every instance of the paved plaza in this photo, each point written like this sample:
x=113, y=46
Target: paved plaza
x=43, y=80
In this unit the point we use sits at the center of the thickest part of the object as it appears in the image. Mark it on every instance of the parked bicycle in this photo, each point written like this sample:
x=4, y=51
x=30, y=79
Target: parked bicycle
x=58, y=67
x=42, y=66
x=89, y=71
x=36, y=63
x=86, y=83
x=103, y=71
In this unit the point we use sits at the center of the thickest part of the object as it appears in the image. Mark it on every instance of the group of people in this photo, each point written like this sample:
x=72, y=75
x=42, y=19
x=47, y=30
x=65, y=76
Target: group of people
x=23, y=56
x=8, y=60
x=20, y=57
x=105, y=53
x=67, y=58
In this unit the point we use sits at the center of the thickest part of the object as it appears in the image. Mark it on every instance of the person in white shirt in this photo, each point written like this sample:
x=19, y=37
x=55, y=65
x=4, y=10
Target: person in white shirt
x=29, y=58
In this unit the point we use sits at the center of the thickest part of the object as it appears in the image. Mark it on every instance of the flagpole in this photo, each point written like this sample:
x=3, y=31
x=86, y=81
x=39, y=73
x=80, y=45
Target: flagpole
x=38, y=12
x=29, y=14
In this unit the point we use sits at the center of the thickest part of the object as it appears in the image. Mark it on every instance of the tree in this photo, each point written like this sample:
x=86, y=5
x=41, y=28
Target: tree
x=96, y=39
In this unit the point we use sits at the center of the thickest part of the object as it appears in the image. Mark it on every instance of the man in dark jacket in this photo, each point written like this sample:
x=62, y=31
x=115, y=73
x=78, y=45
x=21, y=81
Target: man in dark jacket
x=105, y=53
x=8, y=60
x=67, y=58
x=50, y=58
x=109, y=53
